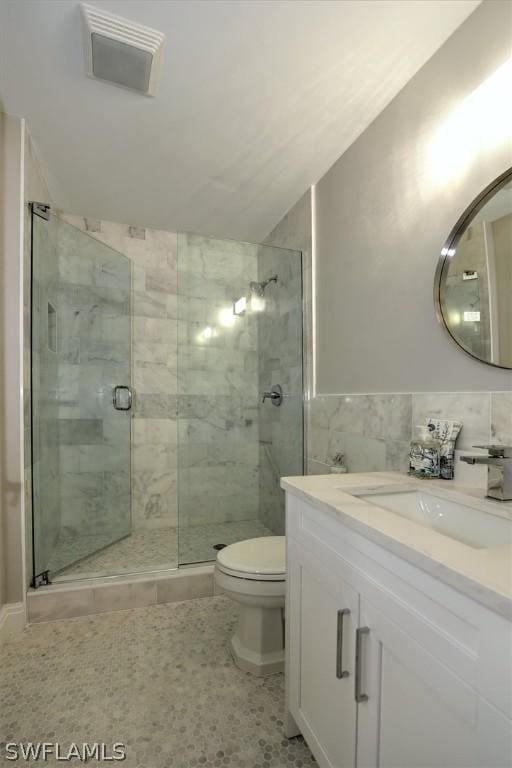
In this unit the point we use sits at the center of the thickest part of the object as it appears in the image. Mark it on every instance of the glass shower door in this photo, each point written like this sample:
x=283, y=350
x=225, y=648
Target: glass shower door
x=81, y=396
x=239, y=334
x=280, y=361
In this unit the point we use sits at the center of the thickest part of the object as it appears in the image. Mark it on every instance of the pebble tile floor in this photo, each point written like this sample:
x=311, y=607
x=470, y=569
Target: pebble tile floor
x=150, y=550
x=159, y=679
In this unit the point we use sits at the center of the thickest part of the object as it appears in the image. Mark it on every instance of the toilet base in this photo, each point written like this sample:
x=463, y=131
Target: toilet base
x=248, y=661
x=258, y=643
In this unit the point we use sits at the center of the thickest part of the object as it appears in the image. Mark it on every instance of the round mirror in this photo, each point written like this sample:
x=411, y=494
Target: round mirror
x=473, y=285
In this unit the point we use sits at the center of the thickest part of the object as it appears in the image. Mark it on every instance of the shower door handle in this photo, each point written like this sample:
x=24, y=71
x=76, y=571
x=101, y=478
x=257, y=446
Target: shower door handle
x=122, y=398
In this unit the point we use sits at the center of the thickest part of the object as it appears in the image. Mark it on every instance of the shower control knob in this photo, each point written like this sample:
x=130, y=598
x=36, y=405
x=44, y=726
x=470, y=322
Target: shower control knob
x=275, y=395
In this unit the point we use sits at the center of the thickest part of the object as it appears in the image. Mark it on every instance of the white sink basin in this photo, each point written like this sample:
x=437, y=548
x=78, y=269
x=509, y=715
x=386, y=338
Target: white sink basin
x=458, y=521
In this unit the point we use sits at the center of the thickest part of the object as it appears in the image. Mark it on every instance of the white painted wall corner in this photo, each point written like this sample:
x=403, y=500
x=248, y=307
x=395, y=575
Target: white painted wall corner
x=12, y=621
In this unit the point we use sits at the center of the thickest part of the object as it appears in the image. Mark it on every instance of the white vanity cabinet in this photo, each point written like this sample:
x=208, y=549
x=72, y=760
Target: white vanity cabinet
x=385, y=664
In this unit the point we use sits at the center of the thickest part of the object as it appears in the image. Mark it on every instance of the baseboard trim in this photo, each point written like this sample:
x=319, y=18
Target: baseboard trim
x=12, y=620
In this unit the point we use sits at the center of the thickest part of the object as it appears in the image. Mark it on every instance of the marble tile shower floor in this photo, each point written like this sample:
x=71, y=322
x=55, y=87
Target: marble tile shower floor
x=158, y=679
x=150, y=550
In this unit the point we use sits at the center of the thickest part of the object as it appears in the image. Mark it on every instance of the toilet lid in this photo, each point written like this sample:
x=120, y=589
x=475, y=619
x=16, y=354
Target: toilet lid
x=265, y=556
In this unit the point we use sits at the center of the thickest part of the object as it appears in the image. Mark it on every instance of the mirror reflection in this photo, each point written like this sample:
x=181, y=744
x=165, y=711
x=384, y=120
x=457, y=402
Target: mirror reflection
x=474, y=282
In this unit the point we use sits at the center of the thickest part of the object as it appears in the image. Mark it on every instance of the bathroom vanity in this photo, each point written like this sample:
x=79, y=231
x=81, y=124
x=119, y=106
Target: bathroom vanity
x=399, y=622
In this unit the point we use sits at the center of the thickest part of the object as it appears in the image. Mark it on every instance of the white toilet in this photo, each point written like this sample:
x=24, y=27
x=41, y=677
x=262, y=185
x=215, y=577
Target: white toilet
x=253, y=574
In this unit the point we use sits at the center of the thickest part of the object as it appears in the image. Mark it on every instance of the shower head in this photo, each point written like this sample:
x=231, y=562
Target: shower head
x=259, y=288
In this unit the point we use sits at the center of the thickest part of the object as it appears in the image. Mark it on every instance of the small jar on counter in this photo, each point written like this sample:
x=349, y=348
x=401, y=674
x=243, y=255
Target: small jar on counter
x=338, y=466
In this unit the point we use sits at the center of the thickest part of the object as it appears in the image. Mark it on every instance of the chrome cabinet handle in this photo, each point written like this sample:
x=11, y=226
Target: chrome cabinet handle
x=117, y=400
x=340, y=672
x=359, y=696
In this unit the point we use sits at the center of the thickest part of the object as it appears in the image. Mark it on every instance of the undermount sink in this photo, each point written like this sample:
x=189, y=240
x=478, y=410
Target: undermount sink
x=458, y=521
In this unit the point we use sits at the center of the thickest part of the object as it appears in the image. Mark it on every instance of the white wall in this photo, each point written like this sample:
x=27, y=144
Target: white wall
x=381, y=220
x=3, y=572
x=20, y=181
x=11, y=414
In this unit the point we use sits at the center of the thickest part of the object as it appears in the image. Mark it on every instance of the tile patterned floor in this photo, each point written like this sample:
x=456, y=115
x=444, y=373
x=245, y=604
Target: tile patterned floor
x=152, y=550
x=159, y=679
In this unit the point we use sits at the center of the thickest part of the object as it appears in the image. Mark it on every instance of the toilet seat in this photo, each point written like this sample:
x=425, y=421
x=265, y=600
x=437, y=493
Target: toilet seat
x=261, y=559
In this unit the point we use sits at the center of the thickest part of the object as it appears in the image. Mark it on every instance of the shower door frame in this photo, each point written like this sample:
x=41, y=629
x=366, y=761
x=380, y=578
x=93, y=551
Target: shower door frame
x=43, y=211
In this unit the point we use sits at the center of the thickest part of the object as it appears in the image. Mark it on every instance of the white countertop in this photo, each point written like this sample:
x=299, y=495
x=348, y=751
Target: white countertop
x=483, y=574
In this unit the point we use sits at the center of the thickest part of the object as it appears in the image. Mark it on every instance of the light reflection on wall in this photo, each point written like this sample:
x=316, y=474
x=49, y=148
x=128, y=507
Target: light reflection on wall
x=226, y=317
x=483, y=121
x=207, y=334
x=229, y=316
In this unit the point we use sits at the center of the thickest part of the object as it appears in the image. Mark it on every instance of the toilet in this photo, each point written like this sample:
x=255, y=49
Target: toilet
x=253, y=574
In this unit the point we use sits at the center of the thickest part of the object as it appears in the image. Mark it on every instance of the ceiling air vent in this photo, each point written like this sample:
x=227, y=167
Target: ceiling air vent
x=121, y=52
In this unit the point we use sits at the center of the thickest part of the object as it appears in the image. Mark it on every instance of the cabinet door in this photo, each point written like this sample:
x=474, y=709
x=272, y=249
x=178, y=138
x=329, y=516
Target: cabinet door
x=325, y=615
x=494, y=736
x=418, y=714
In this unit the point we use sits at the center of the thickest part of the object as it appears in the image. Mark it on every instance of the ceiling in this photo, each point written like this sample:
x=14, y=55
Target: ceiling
x=257, y=99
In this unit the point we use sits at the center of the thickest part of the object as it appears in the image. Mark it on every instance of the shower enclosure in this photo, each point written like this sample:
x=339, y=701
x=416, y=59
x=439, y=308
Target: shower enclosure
x=152, y=445
x=237, y=336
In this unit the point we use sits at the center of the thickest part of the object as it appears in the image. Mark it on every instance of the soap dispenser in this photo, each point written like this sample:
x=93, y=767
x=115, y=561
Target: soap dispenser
x=425, y=454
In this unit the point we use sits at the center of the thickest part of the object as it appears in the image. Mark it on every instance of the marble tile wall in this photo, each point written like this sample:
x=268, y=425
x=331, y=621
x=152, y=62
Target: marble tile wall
x=213, y=386
x=374, y=431
x=280, y=362
x=284, y=434
x=217, y=384
x=294, y=232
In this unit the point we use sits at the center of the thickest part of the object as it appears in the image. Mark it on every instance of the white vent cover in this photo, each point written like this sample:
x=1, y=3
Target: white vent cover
x=121, y=52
